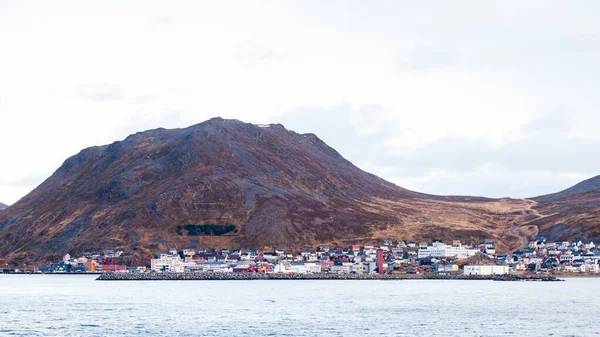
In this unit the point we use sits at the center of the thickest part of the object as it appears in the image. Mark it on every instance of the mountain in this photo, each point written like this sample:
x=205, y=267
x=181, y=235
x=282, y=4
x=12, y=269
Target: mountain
x=590, y=187
x=225, y=183
x=570, y=214
x=3, y=206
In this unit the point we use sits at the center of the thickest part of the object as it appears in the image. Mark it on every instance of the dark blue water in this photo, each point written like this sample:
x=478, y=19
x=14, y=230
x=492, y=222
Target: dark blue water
x=63, y=305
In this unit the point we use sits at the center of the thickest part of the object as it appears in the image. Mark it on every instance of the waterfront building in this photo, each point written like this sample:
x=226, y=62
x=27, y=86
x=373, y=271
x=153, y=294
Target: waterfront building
x=167, y=263
x=91, y=265
x=112, y=266
x=313, y=268
x=380, y=261
x=486, y=270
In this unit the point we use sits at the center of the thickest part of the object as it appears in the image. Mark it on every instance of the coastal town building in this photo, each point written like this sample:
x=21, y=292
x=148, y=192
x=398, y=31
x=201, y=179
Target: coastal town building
x=538, y=256
x=168, y=262
x=486, y=270
x=440, y=250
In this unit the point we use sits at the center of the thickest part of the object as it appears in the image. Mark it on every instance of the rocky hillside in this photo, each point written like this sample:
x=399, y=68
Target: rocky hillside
x=224, y=183
x=573, y=213
x=276, y=187
x=3, y=206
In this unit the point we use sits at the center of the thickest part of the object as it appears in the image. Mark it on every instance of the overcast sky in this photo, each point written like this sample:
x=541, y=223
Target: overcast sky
x=445, y=97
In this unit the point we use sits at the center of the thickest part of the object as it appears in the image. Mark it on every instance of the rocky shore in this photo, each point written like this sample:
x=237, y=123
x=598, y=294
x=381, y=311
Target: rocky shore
x=263, y=276
x=527, y=277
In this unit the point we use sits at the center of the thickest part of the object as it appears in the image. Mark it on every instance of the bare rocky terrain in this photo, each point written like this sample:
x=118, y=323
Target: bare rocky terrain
x=266, y=187
x=571, y=214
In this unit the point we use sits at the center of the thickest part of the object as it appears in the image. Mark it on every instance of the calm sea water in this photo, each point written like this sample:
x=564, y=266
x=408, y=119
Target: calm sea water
x=77, y=305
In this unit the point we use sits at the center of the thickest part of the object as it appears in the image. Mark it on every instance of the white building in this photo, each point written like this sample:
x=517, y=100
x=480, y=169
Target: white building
x=189, y=252
x=285, y=267
x=566, y=257
x=314, y=268
x=445, y=251
x=486, y=270
x=167, y=263
x=342, y=268
x=280, y=268
x=298, y=268
x=359, y=268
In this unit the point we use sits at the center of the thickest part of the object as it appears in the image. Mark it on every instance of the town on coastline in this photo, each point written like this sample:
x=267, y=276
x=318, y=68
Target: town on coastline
x=390, y=258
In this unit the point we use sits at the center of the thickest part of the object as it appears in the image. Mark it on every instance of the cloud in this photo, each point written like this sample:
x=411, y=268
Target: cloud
x=426, y=94
x=428, y=57
x=100, y=92
x=540, y=157
x=252, y=54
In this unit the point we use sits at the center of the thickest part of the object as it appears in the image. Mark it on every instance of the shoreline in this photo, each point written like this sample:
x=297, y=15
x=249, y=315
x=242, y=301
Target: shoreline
x=284, y=277
x=36, y=273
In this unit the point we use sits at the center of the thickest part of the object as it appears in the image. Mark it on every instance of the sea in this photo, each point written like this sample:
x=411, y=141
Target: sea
x=78, y=305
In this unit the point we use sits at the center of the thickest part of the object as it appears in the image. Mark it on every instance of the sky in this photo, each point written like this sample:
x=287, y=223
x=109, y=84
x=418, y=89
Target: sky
x=489, y=98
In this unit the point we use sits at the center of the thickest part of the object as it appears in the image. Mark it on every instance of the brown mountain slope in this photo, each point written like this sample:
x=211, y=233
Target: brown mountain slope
x=573, y=214
x=274, y=187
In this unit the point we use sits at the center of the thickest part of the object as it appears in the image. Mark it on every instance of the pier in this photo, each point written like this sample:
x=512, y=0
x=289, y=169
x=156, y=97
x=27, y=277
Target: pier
x=323, y=276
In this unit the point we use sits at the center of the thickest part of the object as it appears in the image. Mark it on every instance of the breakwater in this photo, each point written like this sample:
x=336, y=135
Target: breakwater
x=275, y=276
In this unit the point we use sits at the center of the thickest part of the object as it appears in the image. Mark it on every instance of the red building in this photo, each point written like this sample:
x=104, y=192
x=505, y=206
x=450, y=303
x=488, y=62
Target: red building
x=112, y=266
x=380, y=261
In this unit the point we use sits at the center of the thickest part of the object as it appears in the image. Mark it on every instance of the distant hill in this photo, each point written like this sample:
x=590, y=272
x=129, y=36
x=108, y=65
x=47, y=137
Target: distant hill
x=229, y=184
x=571, y=214
x=587, y=187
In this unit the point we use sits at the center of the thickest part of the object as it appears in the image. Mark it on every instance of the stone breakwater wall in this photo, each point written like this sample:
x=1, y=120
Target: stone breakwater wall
x=263, y=276
x=239, y=276
x=527, y=277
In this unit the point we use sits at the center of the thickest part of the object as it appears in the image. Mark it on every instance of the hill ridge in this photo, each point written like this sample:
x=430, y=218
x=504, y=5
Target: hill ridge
x=278, y=188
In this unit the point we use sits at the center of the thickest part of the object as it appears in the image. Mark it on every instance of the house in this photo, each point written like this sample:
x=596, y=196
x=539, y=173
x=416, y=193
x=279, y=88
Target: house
x=243, y=267
x=371, y=267
x=312, y=258
x=338, y=268
x=281, y=267
x=312, y=268
x=217, y=267
x=189, y=252
x=444, y=268
x=91, y=265
x=566, y=258
x=359, y=268
x=323, y=249
x=261, y=268
x=298, y=268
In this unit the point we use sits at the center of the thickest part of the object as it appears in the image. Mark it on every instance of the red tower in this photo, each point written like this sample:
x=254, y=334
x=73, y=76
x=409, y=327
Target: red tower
x=380, y=261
